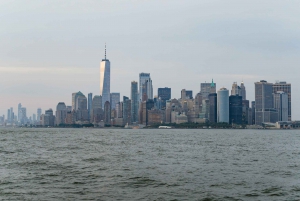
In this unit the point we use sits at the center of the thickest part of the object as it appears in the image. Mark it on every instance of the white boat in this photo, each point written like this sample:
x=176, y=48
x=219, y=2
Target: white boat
x=164, y=127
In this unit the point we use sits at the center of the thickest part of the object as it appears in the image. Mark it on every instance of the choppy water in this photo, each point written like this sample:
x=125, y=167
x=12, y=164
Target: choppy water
x=98, y=164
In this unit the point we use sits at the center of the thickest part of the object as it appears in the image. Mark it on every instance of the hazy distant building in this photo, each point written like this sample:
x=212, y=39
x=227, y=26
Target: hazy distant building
x=223, y=105
x=114, y=99
x=281, y=105
x=286, y=88
x=264, y=110
x=235, y=109
x=61, y=113
x=90, y=103
x=48, y=118
x=105, y=79
x=39, y=113
x=134, y=101
x=155, y=116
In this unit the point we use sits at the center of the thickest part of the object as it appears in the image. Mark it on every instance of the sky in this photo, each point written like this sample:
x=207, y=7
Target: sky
x=50, y=49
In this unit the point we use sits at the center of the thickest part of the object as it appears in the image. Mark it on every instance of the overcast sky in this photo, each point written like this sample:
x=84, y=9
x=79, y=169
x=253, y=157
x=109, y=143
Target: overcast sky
x=50, y=49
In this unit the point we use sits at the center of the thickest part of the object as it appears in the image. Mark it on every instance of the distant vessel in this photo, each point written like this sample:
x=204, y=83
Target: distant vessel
x=164, y=127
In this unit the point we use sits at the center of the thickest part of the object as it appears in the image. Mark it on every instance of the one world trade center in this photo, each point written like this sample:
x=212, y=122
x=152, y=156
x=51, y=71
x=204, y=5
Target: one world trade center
x=105, y=80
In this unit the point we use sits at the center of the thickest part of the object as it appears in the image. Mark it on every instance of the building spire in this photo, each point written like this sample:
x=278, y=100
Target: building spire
x=105, y=51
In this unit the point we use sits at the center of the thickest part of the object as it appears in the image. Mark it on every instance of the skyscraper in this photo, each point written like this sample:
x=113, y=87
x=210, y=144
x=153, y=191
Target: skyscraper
x=206, y=89
x=39, y=113
x=114, y=99
x=285, y=87
x=145, y=86
x=212, y=107
x=281, y=104
x=235, y=109
x=134, y=101
x=164, y=93
x=223, y=105
x=61, y=113
x=243, y=91
x=264, y=110
x=105, y=80
x=90, y=102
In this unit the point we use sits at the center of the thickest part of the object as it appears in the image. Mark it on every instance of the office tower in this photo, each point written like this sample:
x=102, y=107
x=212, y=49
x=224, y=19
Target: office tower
x=212, y=108
x=134, y=101
x=96, y=102
x=285, y=87
x=19, y=111
x=90, y=102
x=164, y=94
x=264, y=110
x=253, y=112
x=223, y=105
x=236, y=89
x=207, y=88
x=75, y=99
x=61, y=113
x=105, y=80
x=114, y=99
x=34, y=117
x=126, y=110
x=183, y=94
x=107, y=113
x=145, y=86
x=48, y=119
x=189, y=94
x=39, y=113
x=97, y=113
x=235, y=109
x=243, y=91
x=281, y=105
x=69, y=108
x=245, y=108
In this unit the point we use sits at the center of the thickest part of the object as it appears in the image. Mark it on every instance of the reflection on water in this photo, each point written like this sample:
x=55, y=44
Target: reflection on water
x=99, y=164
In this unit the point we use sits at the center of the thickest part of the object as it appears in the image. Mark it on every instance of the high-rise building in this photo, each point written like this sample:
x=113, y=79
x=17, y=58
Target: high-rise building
x=239, y=90
x=145, y=86
x=61, y=113
x=8, y=116
x=126, y=110
x=281, y=105
x=39, y=113
x=286, y=88
x=23, y=115
x=206, y=89
x=212, y=107
x=264, y=110
x=223, y=105
x=189, y=94
x=164, y=94
x=107, y=113
x=235, y=109
x=114, y=99
x=134, y=101
x=253, y=113
x=243, y=91
x=19, y=111
x=90, y=103
x=105, y=79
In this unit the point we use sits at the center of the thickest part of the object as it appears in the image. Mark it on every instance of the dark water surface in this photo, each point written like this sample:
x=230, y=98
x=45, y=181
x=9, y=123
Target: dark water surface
x=158, y=164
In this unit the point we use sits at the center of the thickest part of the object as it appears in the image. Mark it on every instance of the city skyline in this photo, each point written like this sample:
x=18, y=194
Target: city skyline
x=44, y=67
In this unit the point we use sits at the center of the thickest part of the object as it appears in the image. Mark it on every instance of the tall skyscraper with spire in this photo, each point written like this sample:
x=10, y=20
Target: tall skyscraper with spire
x=105, y=79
